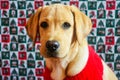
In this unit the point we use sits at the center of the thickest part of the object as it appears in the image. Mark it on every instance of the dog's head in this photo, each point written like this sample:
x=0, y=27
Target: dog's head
x=59, y=26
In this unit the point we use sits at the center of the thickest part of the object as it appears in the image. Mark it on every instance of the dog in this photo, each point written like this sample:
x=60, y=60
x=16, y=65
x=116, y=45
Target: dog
x=63, y=30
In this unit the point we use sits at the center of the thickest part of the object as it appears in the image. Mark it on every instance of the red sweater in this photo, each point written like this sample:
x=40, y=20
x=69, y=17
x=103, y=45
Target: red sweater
x=92, y=71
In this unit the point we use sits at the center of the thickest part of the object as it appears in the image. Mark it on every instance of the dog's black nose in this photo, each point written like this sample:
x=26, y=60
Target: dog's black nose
x=52, y=46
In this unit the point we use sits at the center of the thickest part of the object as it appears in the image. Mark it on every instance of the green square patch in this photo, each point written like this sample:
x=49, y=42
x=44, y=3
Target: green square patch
x=13, y=30
x=5, y=55
x=117, y=31
x=13, y=47
x=110, y=23
x=92, y=40
x=31, y=64
x=101, y=31
x=13, y=13
x=38, y=56
x=117, y=48
x=109, y=57
x=22, y=71
x=21, y=4
x=5, y=21
x=92, y=5
x=0, y=77
x=22, y=39
x=14, y=63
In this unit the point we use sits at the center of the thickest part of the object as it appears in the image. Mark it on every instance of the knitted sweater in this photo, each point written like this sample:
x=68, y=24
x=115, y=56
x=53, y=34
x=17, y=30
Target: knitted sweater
x=92, y=71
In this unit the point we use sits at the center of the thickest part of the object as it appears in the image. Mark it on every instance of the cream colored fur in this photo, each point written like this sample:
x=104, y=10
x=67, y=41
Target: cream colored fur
x=73, y=52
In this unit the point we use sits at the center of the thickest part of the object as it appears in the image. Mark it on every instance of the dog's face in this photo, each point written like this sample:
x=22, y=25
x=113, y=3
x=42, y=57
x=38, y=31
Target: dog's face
x=56, y=29
x=58, y=25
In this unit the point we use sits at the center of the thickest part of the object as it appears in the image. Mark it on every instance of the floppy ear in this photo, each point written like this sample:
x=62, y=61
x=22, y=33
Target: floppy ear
x=33, y=25
x=82, y=24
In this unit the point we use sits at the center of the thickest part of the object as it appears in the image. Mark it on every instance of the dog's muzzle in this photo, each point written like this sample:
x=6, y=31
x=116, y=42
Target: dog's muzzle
x=52, y=47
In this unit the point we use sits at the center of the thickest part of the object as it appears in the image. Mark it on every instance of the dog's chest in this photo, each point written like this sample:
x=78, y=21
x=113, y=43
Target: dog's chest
x=92, y=71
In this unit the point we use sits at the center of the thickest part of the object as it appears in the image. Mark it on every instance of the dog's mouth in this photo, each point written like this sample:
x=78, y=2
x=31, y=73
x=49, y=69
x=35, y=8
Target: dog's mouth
x=52, y=54
x=55, y=55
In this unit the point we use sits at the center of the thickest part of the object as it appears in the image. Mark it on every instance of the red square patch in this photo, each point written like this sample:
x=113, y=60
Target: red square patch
x=76, y=3
x=22, y=55
x=6, y=71
x=38, y=4
x=94, y=21
x=4, y=4
x=5, y=38
x=39, y=72
x=21, y=21
x=110, y=5
x=110, y=40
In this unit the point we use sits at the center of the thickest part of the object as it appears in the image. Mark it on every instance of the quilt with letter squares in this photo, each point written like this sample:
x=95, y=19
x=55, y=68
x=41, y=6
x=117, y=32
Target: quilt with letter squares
x=19, y=61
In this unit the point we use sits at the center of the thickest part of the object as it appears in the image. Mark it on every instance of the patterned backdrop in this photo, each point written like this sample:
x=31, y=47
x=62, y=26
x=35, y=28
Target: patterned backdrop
x=19, y=61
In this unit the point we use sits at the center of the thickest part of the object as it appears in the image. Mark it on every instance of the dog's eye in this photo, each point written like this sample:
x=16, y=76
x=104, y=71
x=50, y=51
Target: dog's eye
x=44, y=24
x=66, y=25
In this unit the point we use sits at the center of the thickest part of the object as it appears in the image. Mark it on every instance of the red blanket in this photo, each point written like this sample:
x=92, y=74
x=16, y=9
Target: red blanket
x=92, y=71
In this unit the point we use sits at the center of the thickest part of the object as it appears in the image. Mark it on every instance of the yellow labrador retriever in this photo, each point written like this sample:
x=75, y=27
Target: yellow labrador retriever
x=63, y=30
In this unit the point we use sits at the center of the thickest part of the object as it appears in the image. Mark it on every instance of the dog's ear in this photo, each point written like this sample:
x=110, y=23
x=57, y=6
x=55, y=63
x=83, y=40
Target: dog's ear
x=32, y=25
x=82, y=24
